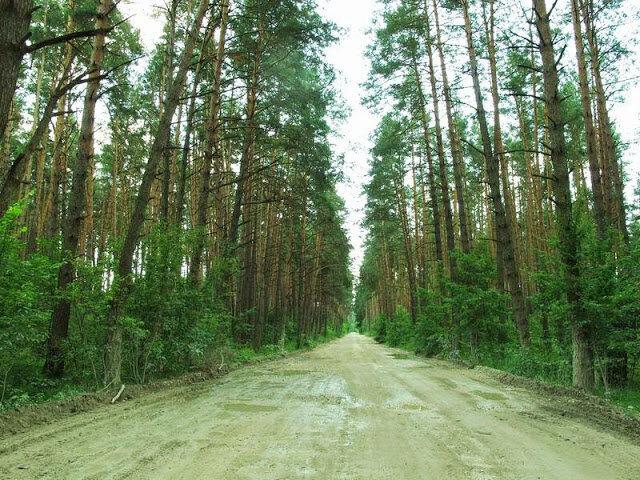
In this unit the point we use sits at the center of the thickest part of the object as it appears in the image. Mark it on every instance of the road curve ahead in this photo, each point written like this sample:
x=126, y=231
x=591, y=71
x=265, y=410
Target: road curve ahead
x=348, y=410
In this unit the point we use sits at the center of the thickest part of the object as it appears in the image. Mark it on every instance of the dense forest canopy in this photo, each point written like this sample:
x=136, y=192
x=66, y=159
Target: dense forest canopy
x=499, y=230
x=160, y=208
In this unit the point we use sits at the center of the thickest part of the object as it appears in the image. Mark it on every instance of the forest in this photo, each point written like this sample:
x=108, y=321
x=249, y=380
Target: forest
x=168, y=209
x=164, y=210
x=319, y=239
x=500, y=226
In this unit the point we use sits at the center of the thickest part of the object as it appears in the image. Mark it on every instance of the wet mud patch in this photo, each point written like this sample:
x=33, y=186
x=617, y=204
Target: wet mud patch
x=293, y=373
x=248, y=407
x=445, y=382
x=497, y=397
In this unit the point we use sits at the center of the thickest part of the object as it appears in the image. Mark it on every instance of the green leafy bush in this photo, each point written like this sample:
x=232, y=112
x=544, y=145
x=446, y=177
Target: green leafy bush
x=25, y=309
x=400, y=331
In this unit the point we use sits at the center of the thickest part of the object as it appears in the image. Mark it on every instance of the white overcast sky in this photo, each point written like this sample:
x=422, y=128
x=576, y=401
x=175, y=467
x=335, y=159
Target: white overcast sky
x=355, y=16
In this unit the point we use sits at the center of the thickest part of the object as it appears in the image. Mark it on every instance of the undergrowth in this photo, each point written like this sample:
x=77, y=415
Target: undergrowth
x=43, y=390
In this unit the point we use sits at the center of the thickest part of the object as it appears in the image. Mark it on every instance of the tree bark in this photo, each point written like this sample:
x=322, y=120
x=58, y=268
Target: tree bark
x=590, y=134
x=433, y=192
x=503, y=227
x=72, y=230
x=211, y=151
x=454, y=140
x=15, y=20
x=611, y=168
x=18, y=168
x=246, y=161
x=581, y=329
x=166, y=155
x=408, y=249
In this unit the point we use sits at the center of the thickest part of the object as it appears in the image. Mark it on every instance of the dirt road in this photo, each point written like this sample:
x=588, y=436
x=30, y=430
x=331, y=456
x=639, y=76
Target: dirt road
x=348, y=410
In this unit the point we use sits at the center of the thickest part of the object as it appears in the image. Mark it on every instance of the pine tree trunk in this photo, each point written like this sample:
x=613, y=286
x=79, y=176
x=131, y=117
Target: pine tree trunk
x=186, y=149
x=14, y=179
x=246, y=161
x=5, y=151
x=611, y=167
x=15, y=19
x=583, y=376
x=433, y=193
x=590, y=134
x=267, y=264
x=417, y=217
x=211, y=151
x=167, y=154
x=58, y=161
x=408, y=250
x=456, y=151
x=72, y=229
x=444, y=185
x=503, y=228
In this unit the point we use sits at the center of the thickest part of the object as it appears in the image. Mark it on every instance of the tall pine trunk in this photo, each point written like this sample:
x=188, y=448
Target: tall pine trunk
x=568, y=238
x=15, y=19
x=211, y=152
x=503, y=228
x=456, y=150
x=590, y=133
x=72, y=228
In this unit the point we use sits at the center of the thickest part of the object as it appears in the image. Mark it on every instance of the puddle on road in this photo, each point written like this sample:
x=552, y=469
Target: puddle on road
x=412, y=407
x=445, y=382
x=490, y=396
x=293, y=373
x=248, y=407
x=269, y=385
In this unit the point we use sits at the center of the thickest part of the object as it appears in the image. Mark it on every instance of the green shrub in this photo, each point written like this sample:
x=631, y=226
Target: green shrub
x=400, y=329
x=25, y=309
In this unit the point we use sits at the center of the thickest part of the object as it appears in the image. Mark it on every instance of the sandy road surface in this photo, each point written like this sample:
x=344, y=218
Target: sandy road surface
x=348, y=410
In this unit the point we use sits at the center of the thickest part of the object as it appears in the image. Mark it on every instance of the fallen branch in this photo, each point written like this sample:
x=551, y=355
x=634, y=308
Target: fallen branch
x=115, y=399
x=221, y=364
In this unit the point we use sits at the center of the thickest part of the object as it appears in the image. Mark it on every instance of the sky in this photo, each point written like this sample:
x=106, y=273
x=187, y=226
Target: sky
x=352, y=137
x=347, y=56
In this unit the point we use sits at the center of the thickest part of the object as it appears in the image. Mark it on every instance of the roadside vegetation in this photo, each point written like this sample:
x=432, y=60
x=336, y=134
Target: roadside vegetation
x=163, y=209
x=499, y=231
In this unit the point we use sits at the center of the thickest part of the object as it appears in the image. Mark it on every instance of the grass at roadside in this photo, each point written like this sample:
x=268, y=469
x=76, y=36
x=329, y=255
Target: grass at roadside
x=626, y=397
